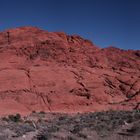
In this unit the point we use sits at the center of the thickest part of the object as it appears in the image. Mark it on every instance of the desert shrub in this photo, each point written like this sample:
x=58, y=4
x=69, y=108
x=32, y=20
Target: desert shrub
x=33, y=111
x=82, y=135
x=15, y=118
x=5, y=119
x=62, y=118
x=76, y=129
x=21, y=129
x=42, y=135
x=42, y=112
x=70, y=138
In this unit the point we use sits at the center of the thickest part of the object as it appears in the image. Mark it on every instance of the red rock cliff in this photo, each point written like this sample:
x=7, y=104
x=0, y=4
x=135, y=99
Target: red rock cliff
x=52, y=71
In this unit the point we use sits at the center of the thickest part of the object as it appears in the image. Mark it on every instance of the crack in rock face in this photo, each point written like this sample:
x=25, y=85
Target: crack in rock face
x=56, y=72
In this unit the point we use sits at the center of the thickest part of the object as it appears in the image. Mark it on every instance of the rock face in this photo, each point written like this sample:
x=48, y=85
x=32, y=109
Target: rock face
x=52, y=71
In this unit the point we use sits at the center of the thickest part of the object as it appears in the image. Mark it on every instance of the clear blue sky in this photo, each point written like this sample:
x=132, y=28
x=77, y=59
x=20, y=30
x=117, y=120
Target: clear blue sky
x=105, y=22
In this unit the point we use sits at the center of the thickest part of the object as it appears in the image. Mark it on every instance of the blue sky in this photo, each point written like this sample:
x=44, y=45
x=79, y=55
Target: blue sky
x=105, y=22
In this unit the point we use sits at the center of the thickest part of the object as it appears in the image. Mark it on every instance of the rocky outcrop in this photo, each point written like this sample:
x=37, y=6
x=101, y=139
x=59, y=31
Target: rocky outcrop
x=52, y=71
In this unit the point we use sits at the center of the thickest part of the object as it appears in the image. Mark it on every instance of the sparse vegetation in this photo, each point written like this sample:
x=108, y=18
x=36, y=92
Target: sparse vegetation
x=74, y=127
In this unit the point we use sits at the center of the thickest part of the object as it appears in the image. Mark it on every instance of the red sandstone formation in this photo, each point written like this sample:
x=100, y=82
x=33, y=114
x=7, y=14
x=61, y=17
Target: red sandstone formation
x=52, y=71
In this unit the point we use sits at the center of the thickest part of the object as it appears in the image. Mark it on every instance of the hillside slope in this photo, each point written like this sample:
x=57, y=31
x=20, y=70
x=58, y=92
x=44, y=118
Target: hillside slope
x=52, y=71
